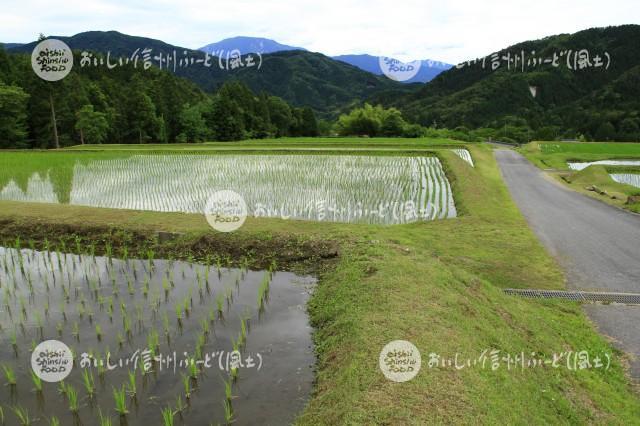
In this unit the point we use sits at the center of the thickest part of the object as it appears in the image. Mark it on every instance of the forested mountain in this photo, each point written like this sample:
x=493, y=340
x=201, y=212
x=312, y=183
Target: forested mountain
x=556, y=95
x=299, y=77
x=133, y=105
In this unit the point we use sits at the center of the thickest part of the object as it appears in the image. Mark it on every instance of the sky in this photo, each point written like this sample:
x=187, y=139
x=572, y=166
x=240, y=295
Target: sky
x=448, y=31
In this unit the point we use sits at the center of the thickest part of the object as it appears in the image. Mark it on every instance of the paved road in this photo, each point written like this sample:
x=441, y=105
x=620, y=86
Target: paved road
x=598, y=245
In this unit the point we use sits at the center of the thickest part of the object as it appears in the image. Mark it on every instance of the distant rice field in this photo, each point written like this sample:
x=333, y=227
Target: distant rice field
x=583, y=165
x=351, y=189
x=632, y=179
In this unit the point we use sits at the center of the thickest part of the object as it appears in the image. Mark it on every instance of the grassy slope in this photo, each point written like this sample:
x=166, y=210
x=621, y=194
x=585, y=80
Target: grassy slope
x=438, y=285
x=556, y=156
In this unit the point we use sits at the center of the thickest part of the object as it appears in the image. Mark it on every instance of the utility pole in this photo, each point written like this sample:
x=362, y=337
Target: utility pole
x=53, y=122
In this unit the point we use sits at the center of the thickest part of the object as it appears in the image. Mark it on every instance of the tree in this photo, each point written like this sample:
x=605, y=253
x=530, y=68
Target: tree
x=629, y=129
x=280, y=116
x=606, y=132
x=92, y=125
x=226, y=120
x=192, y=122
x=13, y=116
x=307, y=124
x=142, y=116
x=392, y=123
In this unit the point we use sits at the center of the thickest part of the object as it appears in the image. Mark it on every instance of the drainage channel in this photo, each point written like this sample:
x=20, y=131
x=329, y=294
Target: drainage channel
x=577, y=296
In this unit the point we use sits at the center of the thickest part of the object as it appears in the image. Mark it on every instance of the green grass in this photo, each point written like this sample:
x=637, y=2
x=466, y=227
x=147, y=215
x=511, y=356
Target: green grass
x=555, y=155
x=608, y=148
x=437, y=284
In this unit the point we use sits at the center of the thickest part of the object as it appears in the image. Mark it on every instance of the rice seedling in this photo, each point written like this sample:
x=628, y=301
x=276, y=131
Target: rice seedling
x=205, y=327
x=62, y=388
x=228, y=389
x=53, y=421
x=22, y=414
x=37, y=382
x=179, y=405
x=167, y=416
x=153, y=342
x=228, y=411
x=72, y=397
x=104, y=421
x=193, y=369
x=120, y=398
x=75, y=331
x=131, y=384
x=88, y=382
x=120, y=339
x=220, y=305
x=98, y=332
x=9, y=375
x=165, y=324
x=186, y=383
x=178, y=309
x=242, y=339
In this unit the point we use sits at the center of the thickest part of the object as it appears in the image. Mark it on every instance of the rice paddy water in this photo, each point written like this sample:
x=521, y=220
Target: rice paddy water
x=108, y=310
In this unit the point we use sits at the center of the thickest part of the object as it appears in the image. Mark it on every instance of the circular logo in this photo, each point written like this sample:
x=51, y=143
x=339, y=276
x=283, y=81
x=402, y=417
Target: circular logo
x=52, y=361
x=400, y=361
x=225, y=211
x=399, y=71
x=52, y=60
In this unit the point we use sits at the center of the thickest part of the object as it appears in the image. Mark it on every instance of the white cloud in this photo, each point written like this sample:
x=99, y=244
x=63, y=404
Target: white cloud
x=407, y=29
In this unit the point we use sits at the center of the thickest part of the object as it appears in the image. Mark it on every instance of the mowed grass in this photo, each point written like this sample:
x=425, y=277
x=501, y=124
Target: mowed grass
x=438, y=285
x=556, y=155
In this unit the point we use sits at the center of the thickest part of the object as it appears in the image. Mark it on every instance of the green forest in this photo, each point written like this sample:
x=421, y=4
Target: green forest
x=128, y=105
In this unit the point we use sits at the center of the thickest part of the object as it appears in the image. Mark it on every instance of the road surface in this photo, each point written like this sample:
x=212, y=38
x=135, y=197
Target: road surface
x=597, y=245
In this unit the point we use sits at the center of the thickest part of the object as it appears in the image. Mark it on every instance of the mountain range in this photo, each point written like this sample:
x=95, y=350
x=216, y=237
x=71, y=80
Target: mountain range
x=560, y=86
x=300, y=77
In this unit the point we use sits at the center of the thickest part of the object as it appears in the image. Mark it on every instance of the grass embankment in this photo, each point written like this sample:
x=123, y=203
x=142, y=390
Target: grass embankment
x=437, y=284
x=593, y=181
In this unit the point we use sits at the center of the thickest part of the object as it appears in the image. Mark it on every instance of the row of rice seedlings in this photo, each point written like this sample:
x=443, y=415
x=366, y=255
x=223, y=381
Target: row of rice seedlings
x=263, y=291
x=465, y=155
x=183, y=183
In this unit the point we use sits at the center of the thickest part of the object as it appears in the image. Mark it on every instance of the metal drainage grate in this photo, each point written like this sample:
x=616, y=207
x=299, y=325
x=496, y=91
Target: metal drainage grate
x=578, y=296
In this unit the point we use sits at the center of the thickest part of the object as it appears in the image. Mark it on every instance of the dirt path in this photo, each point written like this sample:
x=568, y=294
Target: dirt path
x=598, y=245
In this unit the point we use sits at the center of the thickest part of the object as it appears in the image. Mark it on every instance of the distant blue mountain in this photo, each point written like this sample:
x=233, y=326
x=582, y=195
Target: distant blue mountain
x=248, y=45
x=369, y=63
x=428, y=69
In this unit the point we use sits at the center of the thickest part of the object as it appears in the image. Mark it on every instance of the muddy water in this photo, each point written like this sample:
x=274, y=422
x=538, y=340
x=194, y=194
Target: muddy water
x=46, y=295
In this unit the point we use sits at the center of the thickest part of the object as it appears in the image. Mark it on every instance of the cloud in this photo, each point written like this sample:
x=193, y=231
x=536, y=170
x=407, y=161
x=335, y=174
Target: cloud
x=408, y=29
